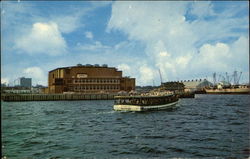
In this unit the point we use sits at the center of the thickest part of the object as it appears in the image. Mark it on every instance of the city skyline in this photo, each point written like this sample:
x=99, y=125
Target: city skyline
x=185, y=40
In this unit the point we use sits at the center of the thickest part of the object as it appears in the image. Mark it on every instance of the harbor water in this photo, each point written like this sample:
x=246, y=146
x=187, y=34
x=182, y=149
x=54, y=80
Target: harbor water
x=204, y=126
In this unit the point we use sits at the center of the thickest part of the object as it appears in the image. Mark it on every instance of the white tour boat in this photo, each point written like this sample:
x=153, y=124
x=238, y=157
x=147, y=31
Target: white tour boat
x=145, y=103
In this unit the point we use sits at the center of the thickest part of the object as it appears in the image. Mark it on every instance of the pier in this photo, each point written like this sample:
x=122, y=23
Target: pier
x=186, y=94
x=54, y=97
x=76, y=96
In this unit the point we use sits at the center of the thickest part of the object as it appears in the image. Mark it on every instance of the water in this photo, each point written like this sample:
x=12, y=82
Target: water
x=205, y=126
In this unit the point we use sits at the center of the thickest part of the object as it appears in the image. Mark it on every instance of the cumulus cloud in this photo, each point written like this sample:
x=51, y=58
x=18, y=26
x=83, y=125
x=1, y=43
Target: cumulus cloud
x=213, y=57
x=161, y=26
x=146, y=75
x=222, y=57
x=37, y=74
x=43, y=38
x=180, y=48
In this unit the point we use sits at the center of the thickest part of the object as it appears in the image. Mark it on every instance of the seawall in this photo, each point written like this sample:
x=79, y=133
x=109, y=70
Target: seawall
x=54, y=97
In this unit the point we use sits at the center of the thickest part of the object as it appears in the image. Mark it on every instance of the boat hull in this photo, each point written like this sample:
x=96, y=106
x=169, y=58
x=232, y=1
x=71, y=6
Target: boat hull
x=139, y=108
x=229, y=91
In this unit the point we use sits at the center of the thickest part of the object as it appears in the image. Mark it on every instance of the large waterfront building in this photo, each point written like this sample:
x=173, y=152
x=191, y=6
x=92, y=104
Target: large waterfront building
x=88, y=79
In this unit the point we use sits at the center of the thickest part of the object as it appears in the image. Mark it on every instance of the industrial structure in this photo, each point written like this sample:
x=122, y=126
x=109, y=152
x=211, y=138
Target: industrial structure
x=187, y=85
x=176, y=87
x=88, y=79
x=196, y=85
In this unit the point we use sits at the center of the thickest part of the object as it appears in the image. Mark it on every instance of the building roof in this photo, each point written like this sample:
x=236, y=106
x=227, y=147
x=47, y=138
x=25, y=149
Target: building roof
x=196, y=83
x=85, y=66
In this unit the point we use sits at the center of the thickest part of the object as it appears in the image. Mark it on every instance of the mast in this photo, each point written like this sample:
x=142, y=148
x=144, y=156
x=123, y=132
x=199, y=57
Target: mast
x=238, y=80
x=160, y=76
x=227, y=76
x=214, y=78
x=235, y=77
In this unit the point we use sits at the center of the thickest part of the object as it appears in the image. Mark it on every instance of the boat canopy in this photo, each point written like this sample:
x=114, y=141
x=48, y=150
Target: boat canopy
x=142, y=97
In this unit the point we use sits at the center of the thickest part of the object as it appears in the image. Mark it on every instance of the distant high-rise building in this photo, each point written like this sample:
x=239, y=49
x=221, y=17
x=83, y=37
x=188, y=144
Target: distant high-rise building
x=25, y=82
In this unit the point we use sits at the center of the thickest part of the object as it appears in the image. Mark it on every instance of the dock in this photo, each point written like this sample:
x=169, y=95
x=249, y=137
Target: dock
x=186, y=95
x=76, y=96
x=54, y=97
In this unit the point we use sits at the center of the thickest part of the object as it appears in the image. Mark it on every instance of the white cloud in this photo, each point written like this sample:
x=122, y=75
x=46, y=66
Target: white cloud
x=160, y=25
x=147, y=75
x=4, y=81
x=97, y=46
x=67, y=24
x=213, y=57
x=172, y=43
x=43, y=38
x=89, y=35
x=125, y=69
x=74, y=17
x=222, y=57
x=37, y=74
x=202, y=9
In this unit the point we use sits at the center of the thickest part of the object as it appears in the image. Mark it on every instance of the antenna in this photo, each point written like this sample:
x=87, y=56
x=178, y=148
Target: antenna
x=160, y=75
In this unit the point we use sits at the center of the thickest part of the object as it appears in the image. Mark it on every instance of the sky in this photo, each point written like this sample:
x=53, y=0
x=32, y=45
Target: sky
x=181, y=40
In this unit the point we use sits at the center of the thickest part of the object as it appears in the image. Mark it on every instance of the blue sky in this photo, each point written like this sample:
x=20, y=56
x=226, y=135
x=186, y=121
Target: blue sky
x=185, y=40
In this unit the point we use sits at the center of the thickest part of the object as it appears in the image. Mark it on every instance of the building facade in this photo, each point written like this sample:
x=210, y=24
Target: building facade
x=196, y=85
x=187, y=85
x=25, y=82
x=173, y=86
x=88, y=79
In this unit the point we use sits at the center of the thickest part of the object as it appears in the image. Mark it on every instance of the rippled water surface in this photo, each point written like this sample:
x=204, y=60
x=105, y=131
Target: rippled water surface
x=204, y=126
